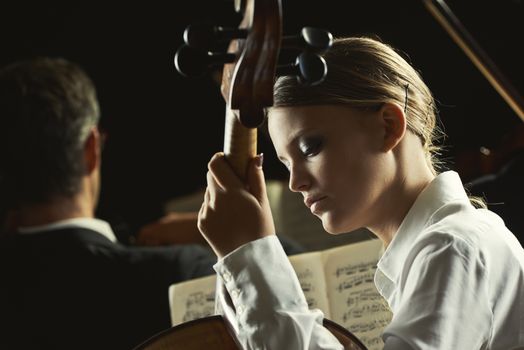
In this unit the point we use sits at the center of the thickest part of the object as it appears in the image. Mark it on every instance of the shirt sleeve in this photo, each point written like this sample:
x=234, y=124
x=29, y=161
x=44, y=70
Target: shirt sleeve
x=259, y=293
x=444, y=303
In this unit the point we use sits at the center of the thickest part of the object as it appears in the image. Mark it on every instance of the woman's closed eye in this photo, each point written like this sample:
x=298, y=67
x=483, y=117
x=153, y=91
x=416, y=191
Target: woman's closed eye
x=310, y=146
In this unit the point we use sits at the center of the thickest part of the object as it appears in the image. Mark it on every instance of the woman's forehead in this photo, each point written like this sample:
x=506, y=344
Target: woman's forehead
x=283, y=121
x=322, y=116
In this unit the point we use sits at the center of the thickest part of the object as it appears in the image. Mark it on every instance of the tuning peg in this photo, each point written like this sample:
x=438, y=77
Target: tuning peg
x=192, y=62
x=310, y=68
x=310, y=39
x=204, y=36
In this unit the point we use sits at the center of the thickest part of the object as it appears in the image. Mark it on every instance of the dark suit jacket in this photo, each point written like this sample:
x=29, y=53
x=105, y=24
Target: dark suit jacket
x=75, y=289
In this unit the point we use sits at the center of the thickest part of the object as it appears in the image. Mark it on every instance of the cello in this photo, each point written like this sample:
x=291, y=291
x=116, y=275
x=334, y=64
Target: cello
x=487, y=161
x=251, y=64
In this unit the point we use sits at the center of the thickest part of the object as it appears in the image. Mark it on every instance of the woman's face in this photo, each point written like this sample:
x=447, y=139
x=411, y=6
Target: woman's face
x=335, y=159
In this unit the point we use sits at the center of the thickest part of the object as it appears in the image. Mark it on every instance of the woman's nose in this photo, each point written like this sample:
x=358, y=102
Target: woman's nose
x=298, y=179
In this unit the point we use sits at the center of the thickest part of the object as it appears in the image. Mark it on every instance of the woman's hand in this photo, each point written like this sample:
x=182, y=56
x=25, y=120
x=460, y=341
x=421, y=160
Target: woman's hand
x=234, y=213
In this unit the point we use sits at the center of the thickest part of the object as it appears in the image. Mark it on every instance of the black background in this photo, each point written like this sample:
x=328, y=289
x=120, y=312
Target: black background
x=163, y=128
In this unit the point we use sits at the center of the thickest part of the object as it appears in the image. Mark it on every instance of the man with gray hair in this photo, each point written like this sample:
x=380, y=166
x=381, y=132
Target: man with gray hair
x=66, y=281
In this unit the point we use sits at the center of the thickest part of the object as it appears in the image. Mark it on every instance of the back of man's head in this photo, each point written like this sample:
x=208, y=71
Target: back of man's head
x=47, y=109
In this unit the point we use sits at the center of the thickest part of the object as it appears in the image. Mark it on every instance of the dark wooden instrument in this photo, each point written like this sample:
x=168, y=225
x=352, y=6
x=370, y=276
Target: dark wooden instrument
x=485, y=161
x=251, y=64
x=215, y=332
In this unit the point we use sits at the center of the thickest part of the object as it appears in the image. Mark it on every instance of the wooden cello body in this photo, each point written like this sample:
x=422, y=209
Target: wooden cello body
x=214, y=332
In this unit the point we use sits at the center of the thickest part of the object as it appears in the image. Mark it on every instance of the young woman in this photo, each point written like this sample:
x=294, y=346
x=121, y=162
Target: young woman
x=360, y=148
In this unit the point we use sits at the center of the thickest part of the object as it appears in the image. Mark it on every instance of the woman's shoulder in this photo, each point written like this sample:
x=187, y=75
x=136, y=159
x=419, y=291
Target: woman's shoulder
x=461, y=221
x=468, y=232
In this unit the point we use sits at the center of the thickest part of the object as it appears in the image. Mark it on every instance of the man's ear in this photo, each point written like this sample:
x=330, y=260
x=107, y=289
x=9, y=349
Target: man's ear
x=394, y=121
x=92, y=150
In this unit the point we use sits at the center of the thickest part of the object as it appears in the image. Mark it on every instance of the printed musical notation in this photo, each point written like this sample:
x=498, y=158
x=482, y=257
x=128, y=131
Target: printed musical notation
x=378, y=324
x=198, y=305
x=308, y=287
x=362, y=311
x=359, y=268
x=310, y=274
x=366, y=313
x=365, y=296
x=192, y=299
x=355, y=281
x=190, y=315
x=200, y=299
x=304, y=274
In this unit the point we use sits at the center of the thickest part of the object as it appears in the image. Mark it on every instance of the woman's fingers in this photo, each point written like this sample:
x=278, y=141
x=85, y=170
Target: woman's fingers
x=222, y=172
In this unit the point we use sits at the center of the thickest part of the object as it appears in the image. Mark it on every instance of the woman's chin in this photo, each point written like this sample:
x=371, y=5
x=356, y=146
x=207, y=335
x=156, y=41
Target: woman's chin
x=335, y=227
x=331, y=227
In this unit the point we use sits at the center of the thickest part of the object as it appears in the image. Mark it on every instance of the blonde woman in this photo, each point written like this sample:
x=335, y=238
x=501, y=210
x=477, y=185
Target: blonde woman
x=360, y=148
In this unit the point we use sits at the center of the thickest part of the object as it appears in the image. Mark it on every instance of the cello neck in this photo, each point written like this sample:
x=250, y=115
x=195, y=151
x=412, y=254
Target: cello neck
x=240, y=144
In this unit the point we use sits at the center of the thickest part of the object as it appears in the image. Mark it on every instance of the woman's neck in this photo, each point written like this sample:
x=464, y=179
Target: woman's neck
x=411, y=175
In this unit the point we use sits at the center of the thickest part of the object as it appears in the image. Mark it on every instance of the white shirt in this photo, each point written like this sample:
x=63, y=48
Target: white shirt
x=97, y=225
x=453, y=276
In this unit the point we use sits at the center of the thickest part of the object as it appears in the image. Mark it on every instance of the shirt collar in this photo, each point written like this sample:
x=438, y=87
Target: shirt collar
x=445, y=188
x=92, y=224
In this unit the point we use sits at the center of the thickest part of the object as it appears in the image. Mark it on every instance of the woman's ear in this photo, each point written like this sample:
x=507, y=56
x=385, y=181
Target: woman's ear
x=92, y=150
x=394, y=122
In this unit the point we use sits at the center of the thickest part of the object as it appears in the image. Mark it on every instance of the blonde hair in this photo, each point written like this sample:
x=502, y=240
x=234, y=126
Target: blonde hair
x=365, y=73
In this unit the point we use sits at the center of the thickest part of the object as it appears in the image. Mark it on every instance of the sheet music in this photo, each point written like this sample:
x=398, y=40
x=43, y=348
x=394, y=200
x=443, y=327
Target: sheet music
x=192, y=299
x=338, y=281
x=310, y=273
x=196, y=298
x=354, y=300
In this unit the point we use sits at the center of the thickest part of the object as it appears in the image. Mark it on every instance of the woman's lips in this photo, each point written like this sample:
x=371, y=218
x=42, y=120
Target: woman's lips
x=312, y=202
